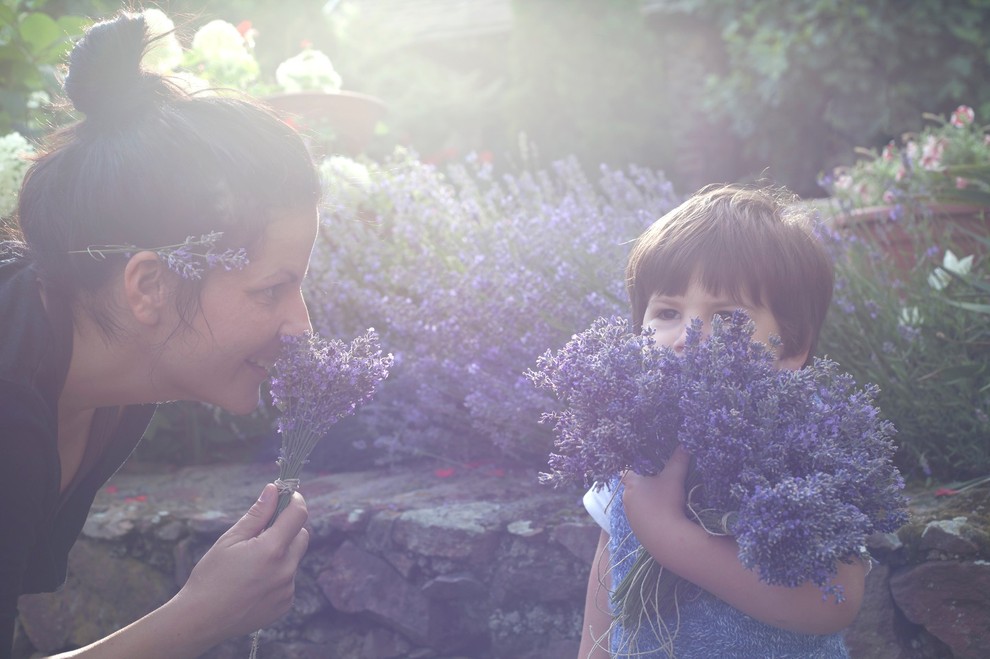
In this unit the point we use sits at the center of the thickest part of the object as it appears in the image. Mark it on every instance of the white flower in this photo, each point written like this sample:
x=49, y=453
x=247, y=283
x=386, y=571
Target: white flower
x=220, y=55
x=219, y=39
x=940, y=277
x=165, y=54
x=14, y=149
x=910, y=316
x=309, y=70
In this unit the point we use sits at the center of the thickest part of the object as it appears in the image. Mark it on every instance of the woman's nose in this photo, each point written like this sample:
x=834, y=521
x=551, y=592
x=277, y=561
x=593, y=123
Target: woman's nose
x=297, y=321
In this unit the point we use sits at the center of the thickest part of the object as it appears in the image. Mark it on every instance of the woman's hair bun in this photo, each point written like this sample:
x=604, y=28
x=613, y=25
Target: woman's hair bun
x=105, y=77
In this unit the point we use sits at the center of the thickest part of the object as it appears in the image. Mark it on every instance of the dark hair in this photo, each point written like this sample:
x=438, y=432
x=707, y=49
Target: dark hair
x=744, y=243
x=150, y=165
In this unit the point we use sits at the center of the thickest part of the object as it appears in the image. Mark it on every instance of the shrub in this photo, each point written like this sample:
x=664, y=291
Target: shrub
x=923, y=335
x=469, y=277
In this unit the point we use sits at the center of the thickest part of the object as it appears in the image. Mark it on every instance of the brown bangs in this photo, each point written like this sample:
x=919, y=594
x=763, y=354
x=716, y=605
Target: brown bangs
x=749, y=245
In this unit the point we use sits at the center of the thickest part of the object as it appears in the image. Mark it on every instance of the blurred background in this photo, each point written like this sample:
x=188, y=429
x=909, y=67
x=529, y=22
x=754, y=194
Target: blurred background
x=706, y=90
x=488, y=163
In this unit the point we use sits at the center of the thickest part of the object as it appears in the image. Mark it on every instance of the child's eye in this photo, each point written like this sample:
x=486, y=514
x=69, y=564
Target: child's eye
x=666, y=314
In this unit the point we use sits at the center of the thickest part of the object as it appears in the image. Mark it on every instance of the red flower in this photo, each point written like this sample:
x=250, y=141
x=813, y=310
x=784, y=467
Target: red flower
x=945, y=492
x=444, y=472
x=111, y=489
x=244, y=27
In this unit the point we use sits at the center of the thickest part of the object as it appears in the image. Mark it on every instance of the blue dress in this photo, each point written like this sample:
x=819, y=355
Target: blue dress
x=706, y=626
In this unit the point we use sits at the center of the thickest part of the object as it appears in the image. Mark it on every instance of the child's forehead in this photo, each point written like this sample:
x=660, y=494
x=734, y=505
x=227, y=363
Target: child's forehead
x=709, y=285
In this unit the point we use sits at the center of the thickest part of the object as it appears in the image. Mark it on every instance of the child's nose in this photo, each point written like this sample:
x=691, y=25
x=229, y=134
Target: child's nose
x=678, y=345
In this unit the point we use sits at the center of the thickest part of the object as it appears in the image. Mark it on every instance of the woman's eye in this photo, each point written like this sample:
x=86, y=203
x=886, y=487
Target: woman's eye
x=269, y=294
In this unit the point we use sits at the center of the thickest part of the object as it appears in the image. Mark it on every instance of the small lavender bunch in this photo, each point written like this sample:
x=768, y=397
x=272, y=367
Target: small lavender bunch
x=315, y=384
x=795, y=464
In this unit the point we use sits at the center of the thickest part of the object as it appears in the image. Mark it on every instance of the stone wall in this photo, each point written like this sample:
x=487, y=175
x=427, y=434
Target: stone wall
x=481, y=563
x=421, y=562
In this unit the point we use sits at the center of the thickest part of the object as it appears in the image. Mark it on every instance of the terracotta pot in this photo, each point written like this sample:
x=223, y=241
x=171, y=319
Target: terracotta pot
x=350, y=116
x=904, y=238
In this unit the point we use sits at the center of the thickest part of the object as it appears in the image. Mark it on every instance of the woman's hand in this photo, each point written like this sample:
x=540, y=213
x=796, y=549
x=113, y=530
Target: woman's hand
x=247, y=579
x=243, y=583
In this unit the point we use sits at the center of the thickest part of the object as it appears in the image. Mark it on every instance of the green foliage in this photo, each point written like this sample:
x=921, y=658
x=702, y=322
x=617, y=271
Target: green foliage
x=925, y=340
x=33, y=42
x=586, y=80
x=804, y=85
x=185, y=433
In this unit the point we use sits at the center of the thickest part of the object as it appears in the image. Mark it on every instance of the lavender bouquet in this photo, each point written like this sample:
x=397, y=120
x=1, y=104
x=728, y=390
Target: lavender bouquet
x=316, y=383
x=796, y=465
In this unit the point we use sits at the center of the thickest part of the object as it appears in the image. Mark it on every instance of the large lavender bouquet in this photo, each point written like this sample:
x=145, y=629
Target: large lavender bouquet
x=795, y=464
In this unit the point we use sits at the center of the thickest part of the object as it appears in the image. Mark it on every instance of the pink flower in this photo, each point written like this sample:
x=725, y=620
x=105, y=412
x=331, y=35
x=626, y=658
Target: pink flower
x=444, y=472
x=931, y=154
x=900, y=173
x=961, y=183
x=945, y=492
x=888, y=197
x=889, y=151
x=963, y=116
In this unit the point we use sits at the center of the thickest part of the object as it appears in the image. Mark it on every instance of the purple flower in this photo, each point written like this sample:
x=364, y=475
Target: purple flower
x=802, y=457
x=188, y=259
x=316, y=383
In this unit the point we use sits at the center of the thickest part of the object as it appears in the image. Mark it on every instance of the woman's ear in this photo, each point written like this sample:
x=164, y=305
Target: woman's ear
x=146, y=287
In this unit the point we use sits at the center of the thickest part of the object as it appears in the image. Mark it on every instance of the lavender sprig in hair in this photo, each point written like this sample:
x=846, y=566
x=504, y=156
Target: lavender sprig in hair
x=189, y=259
x=795, y=464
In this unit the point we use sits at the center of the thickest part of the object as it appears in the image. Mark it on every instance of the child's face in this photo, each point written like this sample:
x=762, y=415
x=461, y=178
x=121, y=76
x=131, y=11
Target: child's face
x=669, y=316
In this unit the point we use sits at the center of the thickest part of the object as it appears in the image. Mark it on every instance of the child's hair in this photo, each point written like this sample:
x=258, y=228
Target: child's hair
x=151, y=165
x=751, y=244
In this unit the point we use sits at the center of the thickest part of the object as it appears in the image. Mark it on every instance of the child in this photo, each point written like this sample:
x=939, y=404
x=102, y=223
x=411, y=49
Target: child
x=165, y=240
x=725, y=248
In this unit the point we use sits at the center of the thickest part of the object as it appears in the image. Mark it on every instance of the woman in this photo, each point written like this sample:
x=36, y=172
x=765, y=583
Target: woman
x=165, y=239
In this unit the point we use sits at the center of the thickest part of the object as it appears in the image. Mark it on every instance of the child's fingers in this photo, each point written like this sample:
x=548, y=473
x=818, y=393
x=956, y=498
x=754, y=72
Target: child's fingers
x=678, y=463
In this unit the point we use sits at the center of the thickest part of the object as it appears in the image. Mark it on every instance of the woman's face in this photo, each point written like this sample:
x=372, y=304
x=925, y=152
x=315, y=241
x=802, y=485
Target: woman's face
x=235, y=336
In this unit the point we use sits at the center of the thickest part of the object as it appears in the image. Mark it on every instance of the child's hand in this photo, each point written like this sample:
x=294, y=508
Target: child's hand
x=657, y=501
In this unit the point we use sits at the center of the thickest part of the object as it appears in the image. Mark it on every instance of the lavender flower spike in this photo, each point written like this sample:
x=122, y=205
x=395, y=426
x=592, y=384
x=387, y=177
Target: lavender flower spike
x=188, y=259
x=315, y=384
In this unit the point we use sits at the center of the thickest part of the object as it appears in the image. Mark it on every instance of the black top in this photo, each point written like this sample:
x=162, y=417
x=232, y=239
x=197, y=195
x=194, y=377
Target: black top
x=38, y=524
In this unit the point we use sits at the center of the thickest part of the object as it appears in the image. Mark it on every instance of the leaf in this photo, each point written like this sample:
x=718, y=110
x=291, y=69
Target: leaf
x=40, y=31
x=972, y=306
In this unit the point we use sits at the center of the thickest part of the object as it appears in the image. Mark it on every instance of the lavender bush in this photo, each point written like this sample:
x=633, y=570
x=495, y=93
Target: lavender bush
x=471, y=275
x=802, y=458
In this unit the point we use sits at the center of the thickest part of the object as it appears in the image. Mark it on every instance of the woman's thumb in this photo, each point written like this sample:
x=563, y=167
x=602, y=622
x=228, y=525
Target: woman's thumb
x=256, y=519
